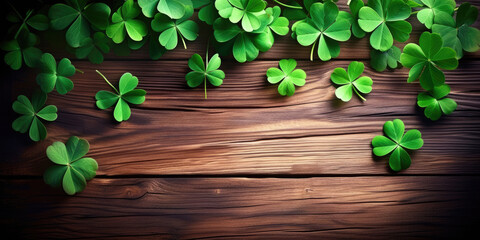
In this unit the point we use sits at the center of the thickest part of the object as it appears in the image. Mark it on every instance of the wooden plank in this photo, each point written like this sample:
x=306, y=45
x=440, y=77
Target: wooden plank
x=245, y=208
x=245, y=127
x=284, y=46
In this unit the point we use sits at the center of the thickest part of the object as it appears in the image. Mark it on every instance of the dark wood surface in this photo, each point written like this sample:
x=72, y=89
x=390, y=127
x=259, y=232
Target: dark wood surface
x=246, y=163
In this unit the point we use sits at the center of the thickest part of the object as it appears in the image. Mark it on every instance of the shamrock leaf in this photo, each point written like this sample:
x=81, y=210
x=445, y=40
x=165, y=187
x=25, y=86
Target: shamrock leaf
x=350, y=81
x=22, y=50
x=170, y=30
x=38, y=22
x=355, y=6
x=396, y=142
x=434, y=8
x=277, y=24
x=208, y=13
x=247, y=11
x=245, y=46
x=32, y=113
x=76, y=16
x=53, y=76
x=426, y=59
x=127, y=94
x=380, y=60
x=459, y=34
x=386, y=20
x=202, y=72
x=323, y=27
x=174, y=9
x=288, y=75
x=94, y=48
x=435, y=102
x=124, y=21
x=71, y=170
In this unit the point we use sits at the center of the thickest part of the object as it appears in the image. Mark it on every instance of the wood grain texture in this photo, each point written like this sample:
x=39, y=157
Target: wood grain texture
x=240, y=208
x=245, y=127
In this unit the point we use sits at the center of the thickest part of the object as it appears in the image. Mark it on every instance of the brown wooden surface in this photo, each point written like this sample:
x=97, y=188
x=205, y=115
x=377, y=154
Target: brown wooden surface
x=246, y=163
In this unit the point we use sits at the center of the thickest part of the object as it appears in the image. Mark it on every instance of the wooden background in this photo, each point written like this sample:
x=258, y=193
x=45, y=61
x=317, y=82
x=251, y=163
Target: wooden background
x=246, y=163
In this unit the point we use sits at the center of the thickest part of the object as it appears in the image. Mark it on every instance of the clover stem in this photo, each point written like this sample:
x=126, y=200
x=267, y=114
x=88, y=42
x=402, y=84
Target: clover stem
x=106, y=80
x=311, y=52
x=24, y=23
x=455, y=9
x=288, y=6
x=183, y=41
x=15, y=10
x=79, y=71
x=359, y=95
x=205, y=86
x=412, y=13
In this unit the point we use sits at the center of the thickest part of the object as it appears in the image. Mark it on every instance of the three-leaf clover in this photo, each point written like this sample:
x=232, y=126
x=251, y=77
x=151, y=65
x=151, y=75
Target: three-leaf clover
x=39, y=22
x=22, y=50
x=396, y=143
x=76, y=16
x=127, y=94
x=458, y=34
x=175, y=9
x=435, y=102
x=426, y=59
x=386, y=20
x=247, y=11
x=350, y=81
x=71, y=170
x=245, y=46
x=323, y=27
x=277, y=24
x=380, y=60
x=94, y=48
x=170, y=30
x=355, y=6
x=124, y=21
x=32, y=113
x=434, y=8
x=202, y=72
x=289, y=76
x=53, y=76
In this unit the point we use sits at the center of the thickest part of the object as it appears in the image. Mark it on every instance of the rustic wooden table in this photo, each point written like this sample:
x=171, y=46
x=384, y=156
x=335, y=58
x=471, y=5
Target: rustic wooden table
x=247, y=163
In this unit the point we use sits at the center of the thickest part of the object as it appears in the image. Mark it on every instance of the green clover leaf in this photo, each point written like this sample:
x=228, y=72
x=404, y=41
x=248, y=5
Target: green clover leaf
x=202, y=72
x=93, y=49
x=21, y=23
x=396, y=142
x=208, y=13
x=155, y=50
x=458, y=34
x=277, y=24
x=245, y=46
x=355, y=6
x=435, y=102
x=77, y=16
x=288, y=75
x=386, y=20
x=323, y=27
x=174, y=9
x=22, y=50
x=127, y=94
x=349, y=81
x=124, y=21
x=71, y=170
x=32, y=112
x=426, y=59
x=247, y=11
x=170, y=30
x=52, y=76
x=434, y=8
x=380, y=60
